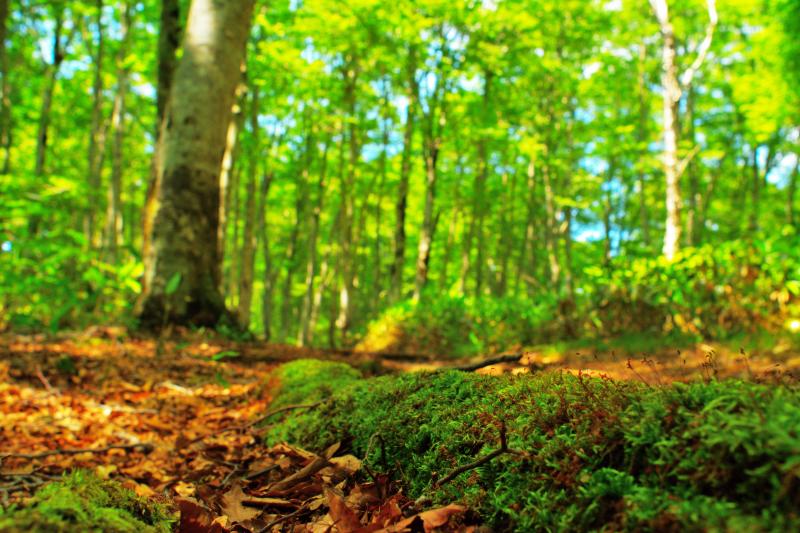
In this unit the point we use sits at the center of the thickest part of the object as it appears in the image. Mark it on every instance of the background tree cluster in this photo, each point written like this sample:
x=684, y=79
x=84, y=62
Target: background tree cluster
x=389, y=151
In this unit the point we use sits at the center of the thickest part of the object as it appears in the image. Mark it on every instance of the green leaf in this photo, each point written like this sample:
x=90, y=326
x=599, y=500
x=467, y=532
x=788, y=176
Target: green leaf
x=173, y=284
x=224, y=355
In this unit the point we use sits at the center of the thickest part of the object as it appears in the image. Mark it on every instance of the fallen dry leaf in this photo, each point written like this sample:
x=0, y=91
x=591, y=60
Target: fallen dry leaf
x=232, y=506
x=345, y=520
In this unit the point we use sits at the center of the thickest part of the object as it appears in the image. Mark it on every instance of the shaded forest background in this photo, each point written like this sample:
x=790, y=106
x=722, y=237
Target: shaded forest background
x=458, y=177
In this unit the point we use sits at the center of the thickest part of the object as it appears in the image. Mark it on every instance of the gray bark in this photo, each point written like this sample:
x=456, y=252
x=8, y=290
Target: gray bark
x=184, y=232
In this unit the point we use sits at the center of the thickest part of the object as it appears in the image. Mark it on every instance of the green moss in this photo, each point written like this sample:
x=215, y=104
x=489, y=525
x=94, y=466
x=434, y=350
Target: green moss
x=82, y=502
x=598, y=453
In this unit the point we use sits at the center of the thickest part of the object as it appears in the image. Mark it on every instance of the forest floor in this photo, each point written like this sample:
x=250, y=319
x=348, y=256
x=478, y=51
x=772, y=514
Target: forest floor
x=184, y=425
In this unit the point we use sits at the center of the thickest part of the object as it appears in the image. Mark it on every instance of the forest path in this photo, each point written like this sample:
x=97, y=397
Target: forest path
x=182, y=427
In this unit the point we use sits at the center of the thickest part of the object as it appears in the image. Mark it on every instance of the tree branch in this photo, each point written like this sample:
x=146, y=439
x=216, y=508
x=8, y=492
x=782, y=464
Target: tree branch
x=705, y=46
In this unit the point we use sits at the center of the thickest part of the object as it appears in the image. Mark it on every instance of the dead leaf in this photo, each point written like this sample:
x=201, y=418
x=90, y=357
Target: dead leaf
x=317, y=464
x=233, y=508
x=345, y=519
x=430, y=520
x=196, y=518
x=348, y=463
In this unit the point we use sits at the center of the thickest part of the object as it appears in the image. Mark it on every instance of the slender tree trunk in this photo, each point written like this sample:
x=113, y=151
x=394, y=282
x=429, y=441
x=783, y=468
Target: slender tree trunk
x=671, y=97
x=550, y=229
x=51, y=78
x=229, y=199
x=347, y=259
x=480, y=185
x=263, y=237
x=791, y=213
x=307, y=317
x=114, y=218
x=185, y=229
x=291, y=260
x=692, y=234
x=672, y=91
x=98, y=133
x=249, y=244
x=412, y=93
x=755, y=190
x=526, y=265
x=426, y=235
x=5, y=91
x=642, y=148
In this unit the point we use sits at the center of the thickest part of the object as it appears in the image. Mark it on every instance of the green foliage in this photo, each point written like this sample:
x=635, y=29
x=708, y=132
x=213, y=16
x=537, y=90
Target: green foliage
x=596, y=453
x=710, y=291
x=732, y=290
x=82, y=502
x=459, y=327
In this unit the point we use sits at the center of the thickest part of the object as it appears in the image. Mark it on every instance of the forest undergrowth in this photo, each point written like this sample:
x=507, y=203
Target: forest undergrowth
x=215, y=434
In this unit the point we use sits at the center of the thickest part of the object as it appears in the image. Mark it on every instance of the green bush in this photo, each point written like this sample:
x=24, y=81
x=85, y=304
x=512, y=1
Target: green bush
x=458, y=327
x=82, y=502
x=711, y=291
x=595, y=453
x=708, y=293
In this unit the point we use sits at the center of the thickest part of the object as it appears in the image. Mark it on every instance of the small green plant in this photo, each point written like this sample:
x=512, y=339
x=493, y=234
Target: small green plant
x=82, y=502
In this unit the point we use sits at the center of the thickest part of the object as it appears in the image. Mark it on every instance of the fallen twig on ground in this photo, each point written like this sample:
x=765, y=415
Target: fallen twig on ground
x=482, y=461
x=499, y=360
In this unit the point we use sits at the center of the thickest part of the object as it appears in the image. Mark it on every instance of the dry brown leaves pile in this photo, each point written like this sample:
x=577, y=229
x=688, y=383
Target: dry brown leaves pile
x=178, y=427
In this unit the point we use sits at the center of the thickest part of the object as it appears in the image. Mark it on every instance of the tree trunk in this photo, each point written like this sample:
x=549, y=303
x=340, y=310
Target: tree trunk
x=98, y=131
x=347, y=293
x=412, y=93
x=550, y=229
x=114, y=218
x=671, y=87
x=791, y=214
x=169, y=38
x=182, y=269
x=5, y=91
x=480, y=185
x=428, y=223
x=229, y=197
x=525, y=270
x=307, y=317
x=671, y=97
x=642, y=148
x=249, y=244
x=263, y=236
x=51, y=77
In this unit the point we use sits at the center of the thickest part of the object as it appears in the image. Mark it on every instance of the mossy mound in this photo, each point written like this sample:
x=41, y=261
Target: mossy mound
x=599, y=454
x=82, y=502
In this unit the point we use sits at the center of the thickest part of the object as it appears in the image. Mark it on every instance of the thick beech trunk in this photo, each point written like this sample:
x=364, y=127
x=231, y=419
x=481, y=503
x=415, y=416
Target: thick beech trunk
x=169, y=38
x=182, y=268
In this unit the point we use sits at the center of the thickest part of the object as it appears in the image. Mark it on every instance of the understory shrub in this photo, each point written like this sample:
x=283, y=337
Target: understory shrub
x=593, y=453
x=82, y=502
x=706, y=293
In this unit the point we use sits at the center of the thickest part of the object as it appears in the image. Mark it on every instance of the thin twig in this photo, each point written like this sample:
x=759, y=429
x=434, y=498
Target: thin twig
x=45, y=382
x=482, y=461
x=500, y=359
x=146, y=447
x=281, y=520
